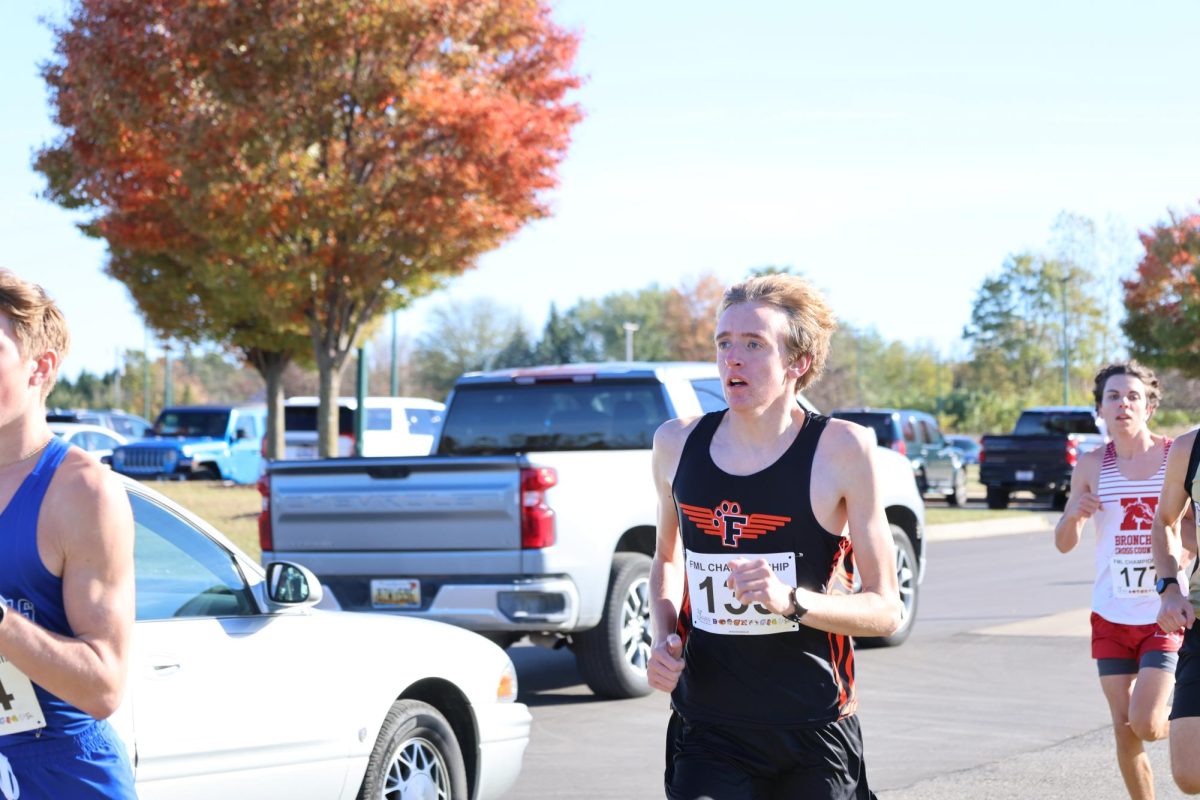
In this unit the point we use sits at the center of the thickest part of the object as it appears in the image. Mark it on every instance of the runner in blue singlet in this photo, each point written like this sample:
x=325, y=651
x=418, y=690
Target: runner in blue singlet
x=66, y=579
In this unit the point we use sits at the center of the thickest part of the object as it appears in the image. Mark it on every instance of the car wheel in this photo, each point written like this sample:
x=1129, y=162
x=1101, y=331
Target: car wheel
x=958, y=497
x=996, y=497
x=415, y=757
x=206, y=473
x=906, y=581
x=1058, y=501
x=613, y=656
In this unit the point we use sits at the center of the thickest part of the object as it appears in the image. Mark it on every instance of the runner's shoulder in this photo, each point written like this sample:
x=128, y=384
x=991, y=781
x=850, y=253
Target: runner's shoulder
x=82, y=490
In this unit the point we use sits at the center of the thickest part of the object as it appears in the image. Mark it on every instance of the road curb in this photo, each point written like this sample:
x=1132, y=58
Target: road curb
x=1004, y=526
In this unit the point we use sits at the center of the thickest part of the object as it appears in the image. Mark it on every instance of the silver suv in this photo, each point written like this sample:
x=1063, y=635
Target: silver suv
x=938, y=466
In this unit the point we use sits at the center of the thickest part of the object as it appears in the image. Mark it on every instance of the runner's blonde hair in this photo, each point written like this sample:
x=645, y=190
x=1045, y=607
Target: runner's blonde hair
x=810, y=320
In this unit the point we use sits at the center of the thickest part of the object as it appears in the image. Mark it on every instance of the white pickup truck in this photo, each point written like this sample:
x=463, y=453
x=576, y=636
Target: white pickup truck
x=534, y=517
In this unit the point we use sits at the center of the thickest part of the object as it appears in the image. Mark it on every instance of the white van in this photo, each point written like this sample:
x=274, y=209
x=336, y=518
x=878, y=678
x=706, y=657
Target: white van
x=394, y=426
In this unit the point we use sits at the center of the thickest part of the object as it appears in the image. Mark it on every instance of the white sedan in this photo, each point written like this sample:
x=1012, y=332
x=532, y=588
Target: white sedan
x=95, y=439
x=241, y=687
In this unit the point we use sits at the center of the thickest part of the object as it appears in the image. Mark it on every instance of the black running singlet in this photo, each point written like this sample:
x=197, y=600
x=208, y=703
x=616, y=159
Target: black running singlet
x=745, y=665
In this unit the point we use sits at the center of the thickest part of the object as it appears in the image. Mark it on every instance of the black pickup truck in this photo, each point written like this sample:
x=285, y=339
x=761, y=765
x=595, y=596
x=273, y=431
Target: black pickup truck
x=1039, y=455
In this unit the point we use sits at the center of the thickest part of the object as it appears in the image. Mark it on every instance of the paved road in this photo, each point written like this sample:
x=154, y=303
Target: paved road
x=993, y=696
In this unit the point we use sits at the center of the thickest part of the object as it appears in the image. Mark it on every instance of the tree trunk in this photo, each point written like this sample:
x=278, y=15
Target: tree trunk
x=330, y=371
x=271, y=366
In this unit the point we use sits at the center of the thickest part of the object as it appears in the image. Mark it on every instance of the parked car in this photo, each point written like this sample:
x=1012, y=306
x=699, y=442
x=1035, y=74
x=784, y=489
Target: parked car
x=131, y=426
x=95, y=439
x=201, y=442
x=1040, y=454
x=242, y=685
x=394, y=426
x=968, y=446
x=938, y=467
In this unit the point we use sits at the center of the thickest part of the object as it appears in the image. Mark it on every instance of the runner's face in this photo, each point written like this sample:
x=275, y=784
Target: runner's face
x=16, y=373
x=1124, y=406
x=752, y=357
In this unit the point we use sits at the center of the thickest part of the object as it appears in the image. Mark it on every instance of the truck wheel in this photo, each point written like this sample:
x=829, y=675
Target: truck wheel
x=958, y=497
x=416, y=755
x=612, y=657
x=906, y=579
x=997, y=497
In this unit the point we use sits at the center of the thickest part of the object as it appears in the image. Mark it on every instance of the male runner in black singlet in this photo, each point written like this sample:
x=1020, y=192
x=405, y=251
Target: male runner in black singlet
x=1177, y=605
x=760, y=507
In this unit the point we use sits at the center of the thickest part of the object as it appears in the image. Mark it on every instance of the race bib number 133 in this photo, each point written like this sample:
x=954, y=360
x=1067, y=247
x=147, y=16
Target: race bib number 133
x=715, y=609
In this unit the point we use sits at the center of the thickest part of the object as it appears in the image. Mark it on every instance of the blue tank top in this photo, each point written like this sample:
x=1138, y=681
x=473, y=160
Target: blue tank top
x=33, y=592
x=747, y=666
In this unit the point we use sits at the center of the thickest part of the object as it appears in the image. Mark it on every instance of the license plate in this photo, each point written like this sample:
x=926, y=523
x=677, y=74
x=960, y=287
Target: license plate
x=396, y=593
x=1024, y=474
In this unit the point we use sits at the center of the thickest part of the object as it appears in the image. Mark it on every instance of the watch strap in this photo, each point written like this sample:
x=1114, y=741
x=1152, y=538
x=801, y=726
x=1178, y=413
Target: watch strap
x=799, y=610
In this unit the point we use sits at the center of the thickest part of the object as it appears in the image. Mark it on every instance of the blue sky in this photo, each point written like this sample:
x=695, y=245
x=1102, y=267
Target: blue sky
x=895, y=153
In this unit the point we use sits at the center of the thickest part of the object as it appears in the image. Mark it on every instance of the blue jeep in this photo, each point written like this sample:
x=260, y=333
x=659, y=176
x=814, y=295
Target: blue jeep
x=200, y=442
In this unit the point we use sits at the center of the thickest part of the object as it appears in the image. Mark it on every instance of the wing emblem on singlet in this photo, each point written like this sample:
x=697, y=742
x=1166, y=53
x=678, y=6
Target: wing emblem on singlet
x=728, y=522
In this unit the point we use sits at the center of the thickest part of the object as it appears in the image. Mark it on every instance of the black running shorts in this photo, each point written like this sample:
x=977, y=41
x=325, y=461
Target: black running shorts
x=722, y=762
x=1187, y=676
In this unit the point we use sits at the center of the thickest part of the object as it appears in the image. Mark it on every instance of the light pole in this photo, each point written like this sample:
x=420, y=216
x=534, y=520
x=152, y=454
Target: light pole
x=395, y=371
x=168, y=388
x=630, y=329
x=1066, y=397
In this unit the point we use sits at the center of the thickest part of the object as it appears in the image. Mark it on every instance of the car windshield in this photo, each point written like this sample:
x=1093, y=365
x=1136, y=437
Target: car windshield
x=211, y=424
x=885, y=430
x=511, y=418
x=303, y=419
x=1055, y=423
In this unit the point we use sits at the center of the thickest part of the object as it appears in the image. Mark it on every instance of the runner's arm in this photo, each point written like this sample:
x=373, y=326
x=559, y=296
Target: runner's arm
x=86, y=520
x=667, y=567
x=876, y=609
x=1171, y=522
x=1081, y=504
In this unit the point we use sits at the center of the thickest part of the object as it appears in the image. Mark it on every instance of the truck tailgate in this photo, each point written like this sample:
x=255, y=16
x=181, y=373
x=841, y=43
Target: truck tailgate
x=410, y=504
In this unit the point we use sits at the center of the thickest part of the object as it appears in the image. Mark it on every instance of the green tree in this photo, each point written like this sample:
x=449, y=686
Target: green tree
x=1016, y=334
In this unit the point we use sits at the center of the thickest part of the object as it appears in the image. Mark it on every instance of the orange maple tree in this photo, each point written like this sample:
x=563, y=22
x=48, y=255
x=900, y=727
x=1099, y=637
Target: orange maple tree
x=1162, y=300
x=326, y=161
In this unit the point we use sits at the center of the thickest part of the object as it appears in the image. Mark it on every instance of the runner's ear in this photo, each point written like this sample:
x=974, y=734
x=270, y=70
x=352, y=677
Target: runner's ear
x=800, y=365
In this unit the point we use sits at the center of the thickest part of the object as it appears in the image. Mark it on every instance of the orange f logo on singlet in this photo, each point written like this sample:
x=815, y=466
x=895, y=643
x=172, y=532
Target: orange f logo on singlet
x=728, y=522
x=1139, y=513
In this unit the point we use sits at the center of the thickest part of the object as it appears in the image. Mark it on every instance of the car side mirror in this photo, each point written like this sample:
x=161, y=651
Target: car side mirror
x=291, y=585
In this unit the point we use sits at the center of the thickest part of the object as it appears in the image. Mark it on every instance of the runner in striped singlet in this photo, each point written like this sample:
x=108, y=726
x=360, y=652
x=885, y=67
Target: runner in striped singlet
x=1117, y=487
x=1175, y=532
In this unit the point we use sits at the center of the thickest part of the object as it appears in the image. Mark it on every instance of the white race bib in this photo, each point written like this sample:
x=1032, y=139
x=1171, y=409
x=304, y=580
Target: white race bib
x=1133, y=575
x=19, y=707
x=715, y=609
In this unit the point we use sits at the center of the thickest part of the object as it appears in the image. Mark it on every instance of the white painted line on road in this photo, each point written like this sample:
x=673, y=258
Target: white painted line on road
x=1075, y=622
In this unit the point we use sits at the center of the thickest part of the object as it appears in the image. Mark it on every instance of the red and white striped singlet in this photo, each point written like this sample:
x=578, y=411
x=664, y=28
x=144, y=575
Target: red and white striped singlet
x=1124, y=589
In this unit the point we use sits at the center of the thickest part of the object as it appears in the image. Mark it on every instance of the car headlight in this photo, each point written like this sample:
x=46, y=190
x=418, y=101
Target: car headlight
x=506, y=689
x=170, y=459
x=118, y=458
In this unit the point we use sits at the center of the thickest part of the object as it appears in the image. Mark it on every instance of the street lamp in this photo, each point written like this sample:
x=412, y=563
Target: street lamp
x=630, y=328
x=168, y=389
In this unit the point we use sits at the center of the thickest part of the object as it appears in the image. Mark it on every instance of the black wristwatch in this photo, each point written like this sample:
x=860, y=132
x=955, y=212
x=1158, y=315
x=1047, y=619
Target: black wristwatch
x=3, y=609
x=1161, y=584
x=800, y=611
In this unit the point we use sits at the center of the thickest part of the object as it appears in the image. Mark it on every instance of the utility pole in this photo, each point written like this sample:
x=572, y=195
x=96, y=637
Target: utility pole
x=395, y=371
x=146, y=372
x=168, y=387
x=1066, y=355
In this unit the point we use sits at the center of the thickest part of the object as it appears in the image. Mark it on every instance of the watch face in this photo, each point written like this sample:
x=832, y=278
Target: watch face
x=1161, y=584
